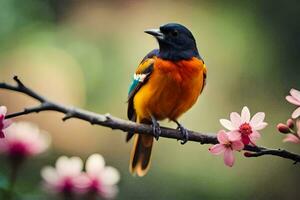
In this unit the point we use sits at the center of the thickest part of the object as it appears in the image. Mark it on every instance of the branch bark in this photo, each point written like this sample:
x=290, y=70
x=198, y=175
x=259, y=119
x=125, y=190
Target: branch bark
x=112, y=122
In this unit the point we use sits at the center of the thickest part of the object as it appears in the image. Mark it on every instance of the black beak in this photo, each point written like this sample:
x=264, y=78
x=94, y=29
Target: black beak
x=156, y=33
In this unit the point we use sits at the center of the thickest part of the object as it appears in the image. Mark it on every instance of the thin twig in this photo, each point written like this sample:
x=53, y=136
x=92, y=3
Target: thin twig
x=127, y=126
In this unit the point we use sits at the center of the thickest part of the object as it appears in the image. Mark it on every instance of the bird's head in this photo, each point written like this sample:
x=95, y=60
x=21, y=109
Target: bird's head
x=175, y=41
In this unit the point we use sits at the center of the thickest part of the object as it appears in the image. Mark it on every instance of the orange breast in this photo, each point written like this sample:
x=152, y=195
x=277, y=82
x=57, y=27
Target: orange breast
x=171, y=90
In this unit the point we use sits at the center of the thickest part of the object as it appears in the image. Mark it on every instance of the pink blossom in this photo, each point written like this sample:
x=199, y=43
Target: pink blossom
x=294, y=98
x=242, y=127
x=294, y=138
x=99, y=179
x=4, y=123
x=24, y=139
x=63, y=178
x=226, y=146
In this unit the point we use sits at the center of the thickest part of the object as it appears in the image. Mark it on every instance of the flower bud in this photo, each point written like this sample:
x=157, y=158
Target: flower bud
x=248, y=154
x=290, y=123
x=282, y=128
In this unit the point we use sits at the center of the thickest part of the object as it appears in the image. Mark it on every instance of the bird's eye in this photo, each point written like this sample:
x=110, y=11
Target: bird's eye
x=174, y=33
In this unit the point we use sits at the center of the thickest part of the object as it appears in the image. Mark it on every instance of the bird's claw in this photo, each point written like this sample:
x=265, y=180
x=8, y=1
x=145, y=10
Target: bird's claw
x=156, y=129
x=184, y=133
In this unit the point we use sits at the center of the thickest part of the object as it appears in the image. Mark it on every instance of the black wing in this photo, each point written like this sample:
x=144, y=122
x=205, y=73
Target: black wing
x=141, y=77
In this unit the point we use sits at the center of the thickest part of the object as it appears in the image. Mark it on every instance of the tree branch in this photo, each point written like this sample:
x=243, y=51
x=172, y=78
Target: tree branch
x=127, y=126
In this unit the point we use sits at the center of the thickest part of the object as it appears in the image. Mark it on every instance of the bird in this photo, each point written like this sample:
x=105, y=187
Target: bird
x=166, y=83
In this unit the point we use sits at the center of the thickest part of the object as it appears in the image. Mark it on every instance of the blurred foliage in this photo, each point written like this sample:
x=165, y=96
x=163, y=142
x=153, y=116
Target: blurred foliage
x=84, y=52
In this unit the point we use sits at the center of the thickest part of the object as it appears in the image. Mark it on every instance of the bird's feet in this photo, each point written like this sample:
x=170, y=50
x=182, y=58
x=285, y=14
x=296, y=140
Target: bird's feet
x=184, y=133
x=156, y=128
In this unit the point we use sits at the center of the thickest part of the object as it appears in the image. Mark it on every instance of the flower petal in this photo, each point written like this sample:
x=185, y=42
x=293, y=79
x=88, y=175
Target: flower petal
x=62, y=165
x=76, y=166
x=44, y=141
x=69, y=166
x=95, y=164
x=298, y=127
x=108, y=192
x=296, y=94
x=228, y=157
x=291, y=138
x=110, y=176
x=82, y=182
x=7, y=123
x=2, y=134
x=222, y=137
x=49, y=174
x=292, y=100
x=257, y=119
x=254, y=136
x=234, y=135
x=296, y=113
x=227, y=124
x=237, y=145
x=217, y=149
x=3, y=110
x=245, y=115
x=260, y=126
x=235, y=120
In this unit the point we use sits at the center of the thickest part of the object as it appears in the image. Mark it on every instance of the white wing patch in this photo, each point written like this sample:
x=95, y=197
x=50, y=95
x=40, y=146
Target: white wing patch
x=139, y=77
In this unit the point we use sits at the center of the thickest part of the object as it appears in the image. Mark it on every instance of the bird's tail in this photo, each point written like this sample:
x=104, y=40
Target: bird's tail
x=140, y=157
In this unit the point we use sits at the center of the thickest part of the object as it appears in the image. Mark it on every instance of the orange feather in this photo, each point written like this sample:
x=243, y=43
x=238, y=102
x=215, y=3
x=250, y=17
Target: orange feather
x=172, y=89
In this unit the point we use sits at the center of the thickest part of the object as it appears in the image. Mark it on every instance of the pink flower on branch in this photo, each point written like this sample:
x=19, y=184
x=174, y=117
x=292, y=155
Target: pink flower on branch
x=243, y=128
x=4, y=123
x=294, y=138
x=99, y=179
x=226, y=146
x=294, y=98
x=63, y=178
x=24, y=139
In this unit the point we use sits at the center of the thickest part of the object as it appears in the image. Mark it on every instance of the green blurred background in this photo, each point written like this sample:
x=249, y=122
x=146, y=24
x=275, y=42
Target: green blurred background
x=83, y=53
